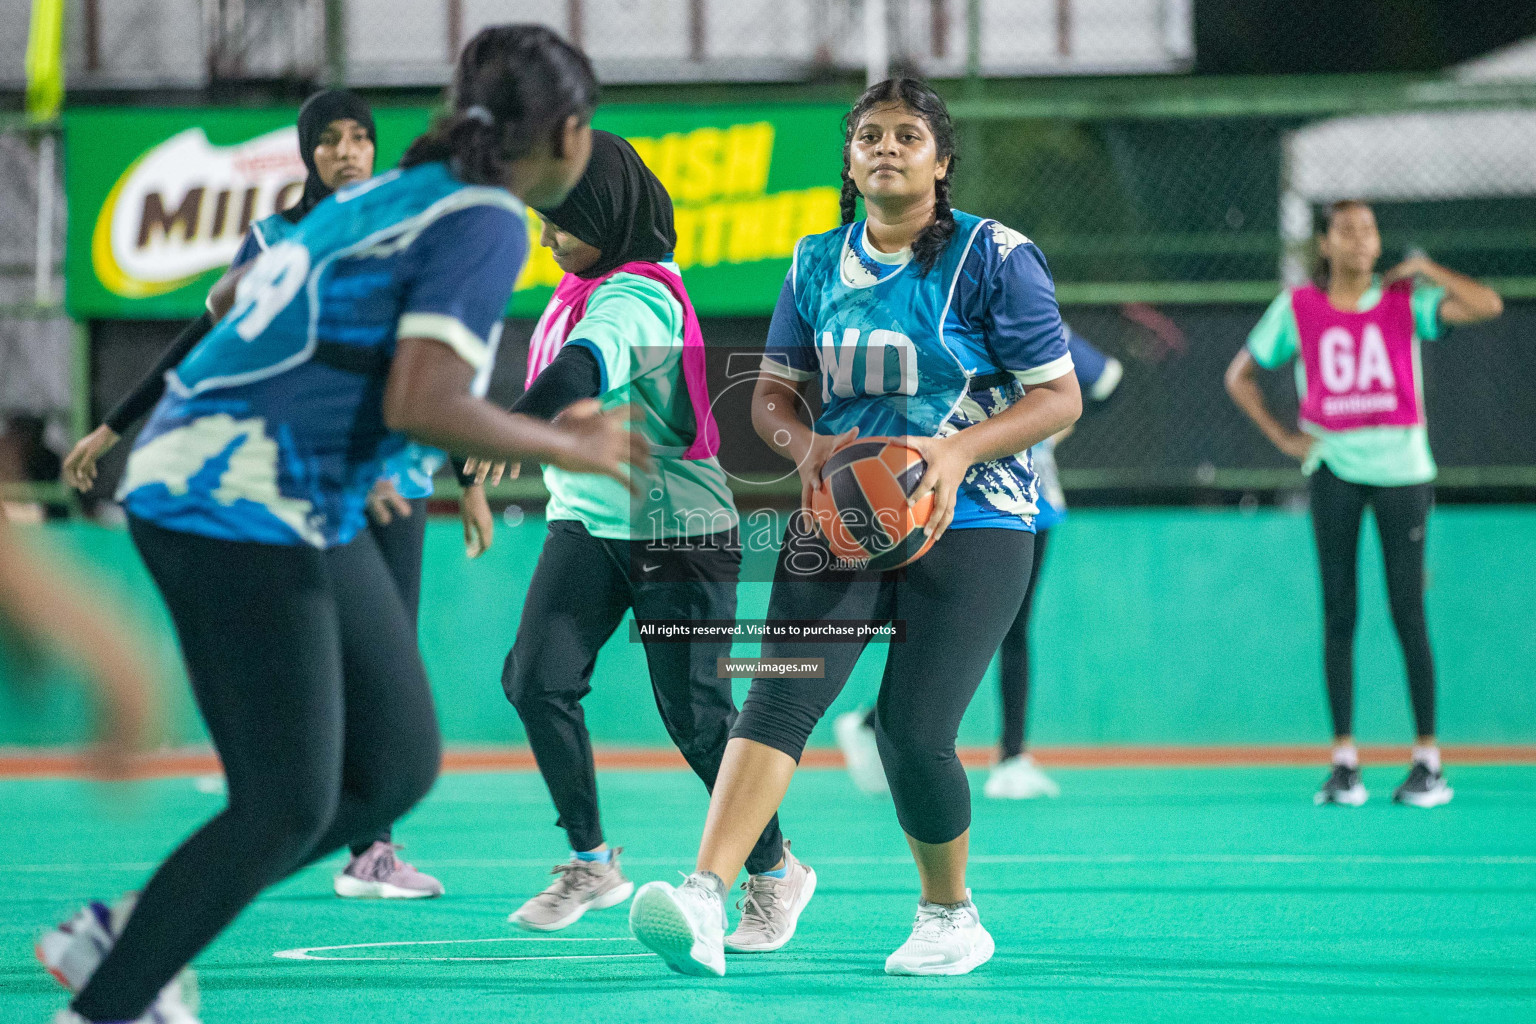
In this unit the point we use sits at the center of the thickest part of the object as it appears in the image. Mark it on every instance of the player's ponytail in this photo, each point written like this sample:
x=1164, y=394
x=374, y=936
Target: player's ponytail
x=513, y=89
x=927, y=104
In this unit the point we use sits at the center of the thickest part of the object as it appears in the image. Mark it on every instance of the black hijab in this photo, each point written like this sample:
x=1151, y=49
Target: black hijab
x=315, y=116
x=618, y=206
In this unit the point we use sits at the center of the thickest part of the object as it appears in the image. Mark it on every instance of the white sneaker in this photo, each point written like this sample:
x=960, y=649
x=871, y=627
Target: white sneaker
x=72, y=952
x=860, y=753
x=1019, y=778
x=944, y=940
x=685, y=926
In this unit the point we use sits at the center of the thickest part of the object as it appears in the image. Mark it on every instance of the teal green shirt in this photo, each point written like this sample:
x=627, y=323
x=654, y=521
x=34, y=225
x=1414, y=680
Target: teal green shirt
x=634, y=327
x=1379, y=456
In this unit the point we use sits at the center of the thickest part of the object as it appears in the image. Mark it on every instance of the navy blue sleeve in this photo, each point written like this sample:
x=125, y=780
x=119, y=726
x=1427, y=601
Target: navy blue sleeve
x=791, y=349
x=459, y=275
x=1088, y=361
x=1023, y=322
x=250, y=248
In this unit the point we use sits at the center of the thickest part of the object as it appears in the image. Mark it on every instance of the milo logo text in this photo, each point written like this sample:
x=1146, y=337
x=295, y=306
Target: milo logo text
x=182, y=208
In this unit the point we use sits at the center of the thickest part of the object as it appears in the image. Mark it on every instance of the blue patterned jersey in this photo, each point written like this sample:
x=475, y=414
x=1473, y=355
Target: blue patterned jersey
x=899, y=352
x=263, y=235
x=1098, y=375
x=272, y=427
x=412, y=469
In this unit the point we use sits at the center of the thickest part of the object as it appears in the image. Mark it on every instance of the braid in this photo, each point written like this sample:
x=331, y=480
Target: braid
x=849, y=199
x=930, y=242
x=925, y=103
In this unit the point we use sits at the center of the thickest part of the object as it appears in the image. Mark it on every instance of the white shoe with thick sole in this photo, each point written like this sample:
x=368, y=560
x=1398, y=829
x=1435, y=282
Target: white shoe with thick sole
x=1019, y=778
x=944, y=941
x=685, y=926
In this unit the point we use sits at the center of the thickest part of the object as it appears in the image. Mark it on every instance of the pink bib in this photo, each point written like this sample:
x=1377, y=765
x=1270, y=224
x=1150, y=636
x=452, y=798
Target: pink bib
x=569, y=304
x=1359, y=366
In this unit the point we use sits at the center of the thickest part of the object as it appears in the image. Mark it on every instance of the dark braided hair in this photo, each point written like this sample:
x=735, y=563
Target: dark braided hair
x=514, y=87
x=926, y=104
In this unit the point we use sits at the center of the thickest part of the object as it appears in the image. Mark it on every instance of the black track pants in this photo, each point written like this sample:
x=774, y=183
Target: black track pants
x=401, y=543
x=1402, y=515
x=581, y=588
x=1013, y=661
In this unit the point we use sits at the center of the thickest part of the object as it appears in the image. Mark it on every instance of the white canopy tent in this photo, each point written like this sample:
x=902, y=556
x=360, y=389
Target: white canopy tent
x=1426, y=155
x=1402, y=157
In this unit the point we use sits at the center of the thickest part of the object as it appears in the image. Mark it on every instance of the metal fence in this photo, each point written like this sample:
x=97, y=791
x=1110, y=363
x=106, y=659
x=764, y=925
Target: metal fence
x=37, y=385
x=1170, y=214
x=194, y=43
x=1183, y=193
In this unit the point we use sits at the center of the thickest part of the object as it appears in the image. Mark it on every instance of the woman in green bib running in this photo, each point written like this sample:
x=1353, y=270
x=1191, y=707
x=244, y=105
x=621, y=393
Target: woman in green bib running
x=621, y=328
x=1355, y=340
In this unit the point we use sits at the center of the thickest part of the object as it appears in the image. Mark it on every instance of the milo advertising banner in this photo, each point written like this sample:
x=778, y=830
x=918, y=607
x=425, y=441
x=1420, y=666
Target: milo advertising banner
x=159, y=200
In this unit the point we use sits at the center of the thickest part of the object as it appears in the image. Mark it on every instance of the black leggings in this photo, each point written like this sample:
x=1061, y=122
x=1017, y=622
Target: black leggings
x=307, y=675
x=581, y=588
x=400, y=543
x=1402, y=515
x=957, y=603
x=1013, y=661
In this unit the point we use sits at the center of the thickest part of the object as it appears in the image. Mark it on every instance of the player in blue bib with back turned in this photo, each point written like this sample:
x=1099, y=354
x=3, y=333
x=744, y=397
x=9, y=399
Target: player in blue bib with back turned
x=939, y=328
x=245, y=497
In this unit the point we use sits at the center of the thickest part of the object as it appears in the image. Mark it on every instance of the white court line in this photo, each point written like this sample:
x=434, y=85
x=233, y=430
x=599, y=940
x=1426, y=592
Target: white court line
x=307, y=952
x=1109, y=859
x=1080, y=858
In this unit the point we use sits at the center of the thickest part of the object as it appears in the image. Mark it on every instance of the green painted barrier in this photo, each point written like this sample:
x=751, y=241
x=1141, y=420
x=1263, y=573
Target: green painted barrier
x=1153, y=627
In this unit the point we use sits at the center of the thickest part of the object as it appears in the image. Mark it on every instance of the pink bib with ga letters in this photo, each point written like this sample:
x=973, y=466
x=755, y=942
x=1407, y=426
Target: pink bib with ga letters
x=1359, y=366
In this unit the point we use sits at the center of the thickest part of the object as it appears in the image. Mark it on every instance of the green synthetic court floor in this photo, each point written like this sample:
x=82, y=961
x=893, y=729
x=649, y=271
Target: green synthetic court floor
x=1140, y=895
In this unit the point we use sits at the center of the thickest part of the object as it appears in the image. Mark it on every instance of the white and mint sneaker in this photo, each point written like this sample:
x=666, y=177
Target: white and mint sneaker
x=1019, y=778
x=860, y=753
x=684, y=926
x=944, y=940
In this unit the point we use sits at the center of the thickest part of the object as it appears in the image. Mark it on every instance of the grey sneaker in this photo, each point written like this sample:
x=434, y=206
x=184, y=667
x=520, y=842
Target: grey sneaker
x=581, y=885
x=771, y=908
x=377, y=873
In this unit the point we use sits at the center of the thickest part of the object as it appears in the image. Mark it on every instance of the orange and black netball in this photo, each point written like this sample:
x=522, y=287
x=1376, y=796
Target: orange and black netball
x=861, y=506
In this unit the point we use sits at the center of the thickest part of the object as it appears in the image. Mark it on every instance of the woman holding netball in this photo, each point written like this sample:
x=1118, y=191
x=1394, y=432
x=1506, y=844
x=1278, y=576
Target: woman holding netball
x=939, y=328
x=1355, y=338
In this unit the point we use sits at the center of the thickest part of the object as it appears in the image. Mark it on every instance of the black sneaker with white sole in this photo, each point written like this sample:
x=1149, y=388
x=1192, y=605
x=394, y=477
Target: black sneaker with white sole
x=1423, y=788
x=1342, y=786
